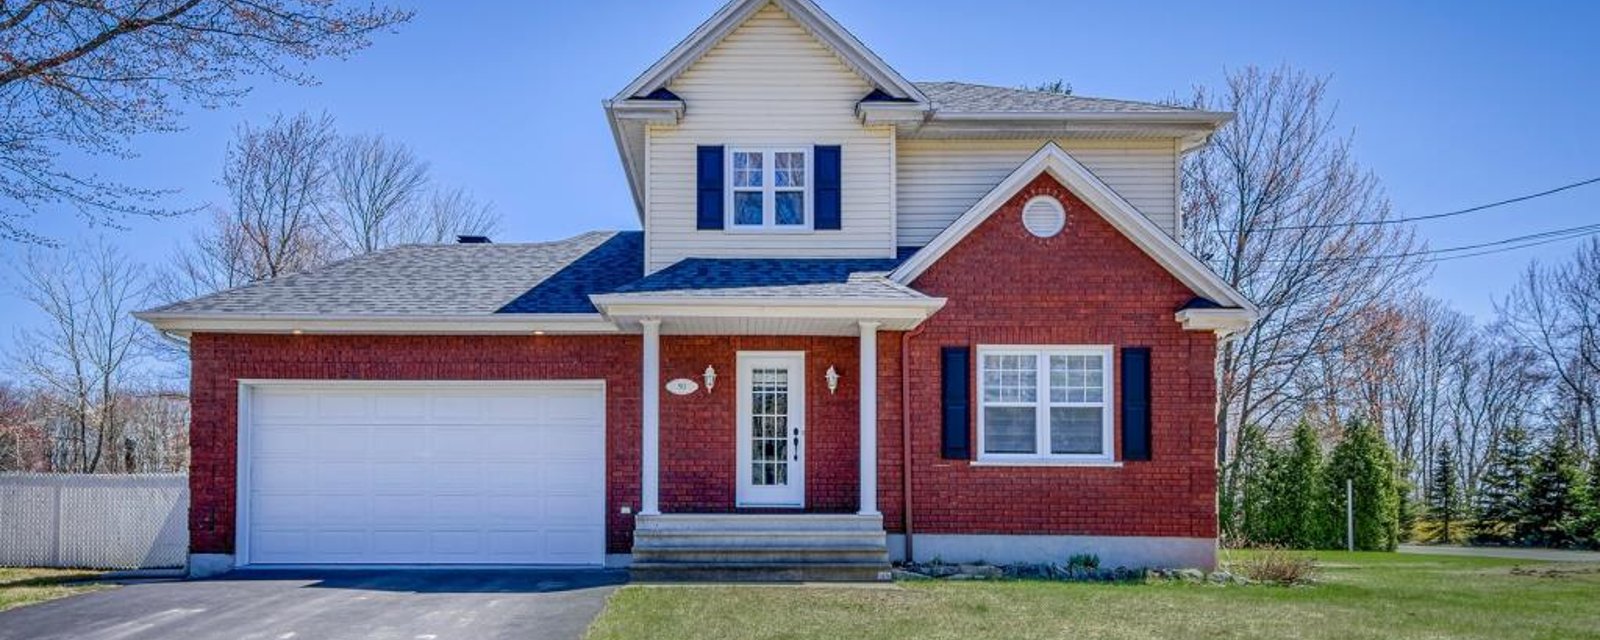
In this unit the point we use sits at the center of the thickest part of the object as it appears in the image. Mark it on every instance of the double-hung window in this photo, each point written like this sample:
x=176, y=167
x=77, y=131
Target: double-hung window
x=1045, y=403
x=769, y=189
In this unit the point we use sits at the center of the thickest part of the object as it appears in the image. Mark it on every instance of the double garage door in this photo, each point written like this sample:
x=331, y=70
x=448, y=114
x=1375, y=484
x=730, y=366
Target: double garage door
x=423, y=473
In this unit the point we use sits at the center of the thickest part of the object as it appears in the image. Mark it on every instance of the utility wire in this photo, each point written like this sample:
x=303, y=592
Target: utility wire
x=1482, y=248
x=1505, y=249
x=1431, y=216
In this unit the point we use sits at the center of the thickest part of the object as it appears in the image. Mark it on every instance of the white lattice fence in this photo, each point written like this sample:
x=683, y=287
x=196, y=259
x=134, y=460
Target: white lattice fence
x=94, y=521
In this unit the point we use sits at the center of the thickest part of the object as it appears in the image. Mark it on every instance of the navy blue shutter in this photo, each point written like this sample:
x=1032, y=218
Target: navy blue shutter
x=708, y=183
x=1136, y=403
x=955, y=393
x=828, y=208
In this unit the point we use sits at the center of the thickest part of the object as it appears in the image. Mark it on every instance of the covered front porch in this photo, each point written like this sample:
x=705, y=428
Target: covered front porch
x=760, y=460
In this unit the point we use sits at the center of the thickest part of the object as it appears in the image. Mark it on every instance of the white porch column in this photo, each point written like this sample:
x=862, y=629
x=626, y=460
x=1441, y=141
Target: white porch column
x=869, y=418
x=650, y=420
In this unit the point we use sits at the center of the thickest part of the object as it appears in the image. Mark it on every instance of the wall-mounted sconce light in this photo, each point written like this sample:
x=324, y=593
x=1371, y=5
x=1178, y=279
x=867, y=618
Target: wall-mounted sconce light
x=833, y=379
x=711, y=378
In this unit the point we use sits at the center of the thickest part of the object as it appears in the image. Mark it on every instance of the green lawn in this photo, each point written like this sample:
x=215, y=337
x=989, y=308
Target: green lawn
x=27, y=586
x=1359, y=595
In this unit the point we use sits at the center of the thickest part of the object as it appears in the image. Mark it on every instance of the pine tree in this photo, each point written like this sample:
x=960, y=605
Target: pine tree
x=1302, y=493
x=1552, y=506
x=1444, y=493
x=1362, y=456
x=1497, y=507
x=1591, y=521
x=1255, y=468
x=1407, y=505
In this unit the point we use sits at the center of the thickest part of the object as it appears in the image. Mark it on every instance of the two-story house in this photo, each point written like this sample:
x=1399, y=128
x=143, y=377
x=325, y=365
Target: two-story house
x=866, y=319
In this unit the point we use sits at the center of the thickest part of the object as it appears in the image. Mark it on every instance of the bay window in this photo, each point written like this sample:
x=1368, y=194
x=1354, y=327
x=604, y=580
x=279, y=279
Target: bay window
x=1045, y=403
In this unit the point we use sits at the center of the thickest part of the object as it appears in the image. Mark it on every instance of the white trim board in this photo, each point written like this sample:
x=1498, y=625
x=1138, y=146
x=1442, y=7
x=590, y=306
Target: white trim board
x=1052, y=159
x=479, y=324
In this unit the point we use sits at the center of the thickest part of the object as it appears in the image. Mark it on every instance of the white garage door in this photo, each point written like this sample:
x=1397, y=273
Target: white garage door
x=424, y=473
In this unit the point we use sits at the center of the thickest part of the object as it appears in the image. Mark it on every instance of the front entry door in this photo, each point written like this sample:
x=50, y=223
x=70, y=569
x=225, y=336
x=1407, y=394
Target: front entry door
x=771, y=429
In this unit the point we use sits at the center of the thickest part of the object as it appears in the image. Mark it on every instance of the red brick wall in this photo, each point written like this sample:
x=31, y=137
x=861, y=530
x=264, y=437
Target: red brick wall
x=1088, y=285
x=698, y=466
x=219, y=361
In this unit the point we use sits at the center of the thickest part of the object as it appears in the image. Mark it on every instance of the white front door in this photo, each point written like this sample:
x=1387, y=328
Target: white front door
x=772, y=419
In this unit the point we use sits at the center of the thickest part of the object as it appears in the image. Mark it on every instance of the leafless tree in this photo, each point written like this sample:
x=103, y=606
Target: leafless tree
x=452, y=212
x=89, y=76
x=1555, y=312
x=88, y=350
x=378, y=188
x=1278, y=206
x=24, y=444
x=278, y=188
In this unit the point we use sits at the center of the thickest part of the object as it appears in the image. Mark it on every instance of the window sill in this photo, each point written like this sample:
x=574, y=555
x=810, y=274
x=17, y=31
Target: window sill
x=754, y=230
x=1105, y=464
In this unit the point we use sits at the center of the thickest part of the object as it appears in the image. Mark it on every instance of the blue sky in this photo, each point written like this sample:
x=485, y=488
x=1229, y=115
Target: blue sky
x=1452, y=104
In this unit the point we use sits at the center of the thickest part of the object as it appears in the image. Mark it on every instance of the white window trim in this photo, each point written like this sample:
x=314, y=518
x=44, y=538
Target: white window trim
x=769, y=204
x=1042, y=417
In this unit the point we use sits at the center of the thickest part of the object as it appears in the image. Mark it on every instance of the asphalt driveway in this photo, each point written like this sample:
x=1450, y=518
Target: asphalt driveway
x=301, y=605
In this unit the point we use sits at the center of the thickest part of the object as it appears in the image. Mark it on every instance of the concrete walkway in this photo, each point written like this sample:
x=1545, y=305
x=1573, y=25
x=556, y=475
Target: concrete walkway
x=1515, y=553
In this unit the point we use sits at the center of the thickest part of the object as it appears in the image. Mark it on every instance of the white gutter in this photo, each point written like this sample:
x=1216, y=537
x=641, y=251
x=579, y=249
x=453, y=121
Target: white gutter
x=1215, y=118
x=479, y=324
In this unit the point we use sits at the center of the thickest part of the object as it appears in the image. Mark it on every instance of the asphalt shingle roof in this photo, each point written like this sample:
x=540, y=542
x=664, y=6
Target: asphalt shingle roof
x=443, y=279
x=772, y=278
x=962, y=97
x=544, y=278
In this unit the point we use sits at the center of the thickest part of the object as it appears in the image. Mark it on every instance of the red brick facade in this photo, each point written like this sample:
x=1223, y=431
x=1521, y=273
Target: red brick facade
x=698, y=455
x=1088, y=285
x=220, y=361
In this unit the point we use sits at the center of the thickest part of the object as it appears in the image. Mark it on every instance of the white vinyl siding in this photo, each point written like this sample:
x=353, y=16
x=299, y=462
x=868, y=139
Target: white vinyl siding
x=938, y=180
x=769, y=84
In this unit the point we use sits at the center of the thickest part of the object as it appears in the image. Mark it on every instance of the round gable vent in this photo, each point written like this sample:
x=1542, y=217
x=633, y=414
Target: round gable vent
x=1044, y=216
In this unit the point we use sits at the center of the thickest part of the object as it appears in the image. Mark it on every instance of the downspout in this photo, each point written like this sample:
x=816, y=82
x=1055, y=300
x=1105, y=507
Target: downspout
x=905, y=435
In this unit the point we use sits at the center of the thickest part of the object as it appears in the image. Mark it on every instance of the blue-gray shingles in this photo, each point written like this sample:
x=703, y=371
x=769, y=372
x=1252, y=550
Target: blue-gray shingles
x=772, y=277
x=538, y=278
x=614, y=263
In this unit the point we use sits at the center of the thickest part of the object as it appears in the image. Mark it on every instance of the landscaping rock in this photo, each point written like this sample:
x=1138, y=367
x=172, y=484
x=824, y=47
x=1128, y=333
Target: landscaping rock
x=1191, y=575
x=940, y=570
x=902, y=574
x=981, y=571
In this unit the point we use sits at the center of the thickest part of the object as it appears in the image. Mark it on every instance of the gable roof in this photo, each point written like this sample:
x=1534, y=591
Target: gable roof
x=821, y=26
x=966, y=97
x=1102, y=199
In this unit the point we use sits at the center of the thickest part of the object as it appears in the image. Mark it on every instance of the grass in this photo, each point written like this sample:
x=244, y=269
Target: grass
x=1357, y=595
x=27, y=586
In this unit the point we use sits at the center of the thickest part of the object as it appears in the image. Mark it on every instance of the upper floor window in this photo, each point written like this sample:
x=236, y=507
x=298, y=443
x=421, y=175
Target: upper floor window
x=769, y=189
x=1045, y=403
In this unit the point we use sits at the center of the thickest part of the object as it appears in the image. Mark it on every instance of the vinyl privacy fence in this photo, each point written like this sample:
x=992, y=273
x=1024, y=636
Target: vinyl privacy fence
x=94, y=521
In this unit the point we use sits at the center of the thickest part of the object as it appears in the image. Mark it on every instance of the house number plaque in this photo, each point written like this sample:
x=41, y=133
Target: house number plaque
x=682, y=386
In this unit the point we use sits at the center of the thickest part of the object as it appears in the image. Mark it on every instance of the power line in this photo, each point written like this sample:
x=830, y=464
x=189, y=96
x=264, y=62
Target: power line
x=1505, y=249
x=1481, y=248
x=1432, y=216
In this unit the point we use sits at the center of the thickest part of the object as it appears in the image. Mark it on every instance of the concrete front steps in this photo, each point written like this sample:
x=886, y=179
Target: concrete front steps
x=760, y=547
